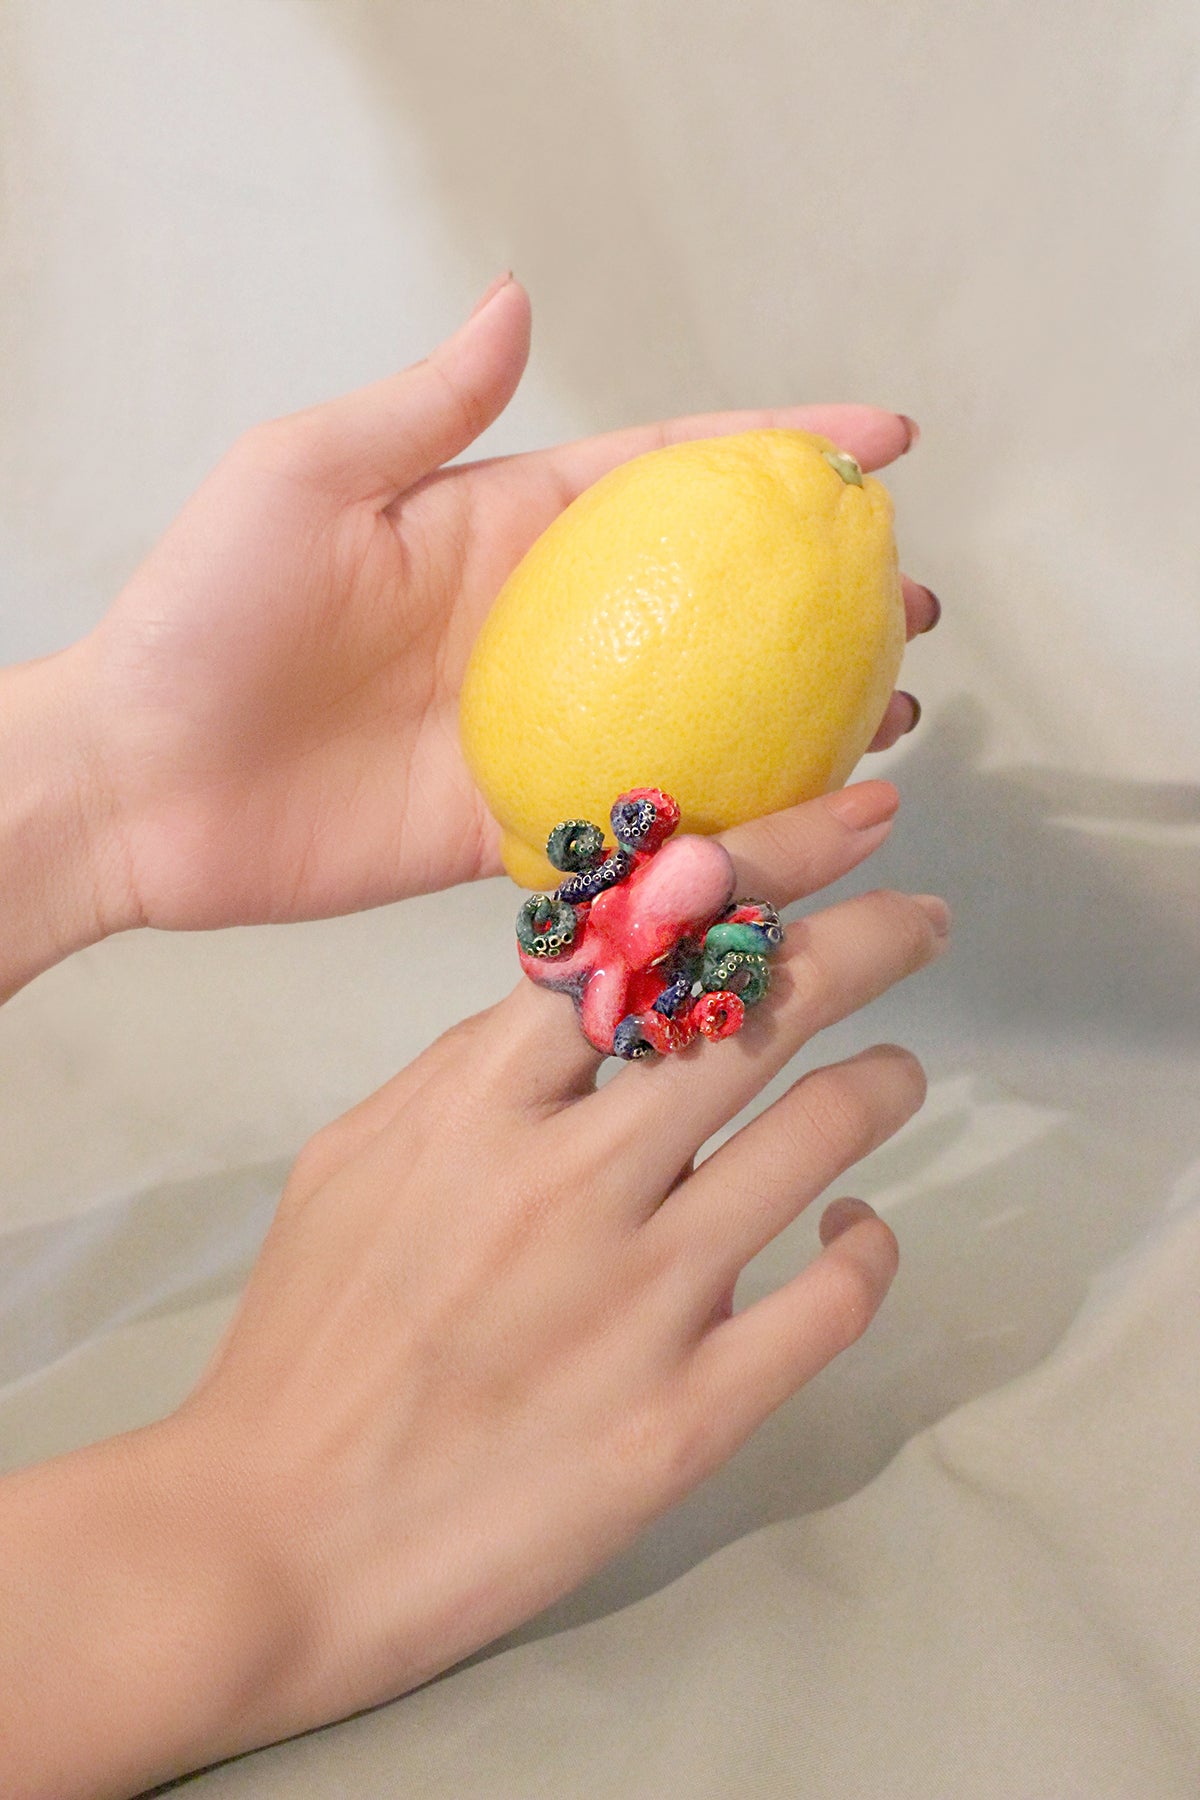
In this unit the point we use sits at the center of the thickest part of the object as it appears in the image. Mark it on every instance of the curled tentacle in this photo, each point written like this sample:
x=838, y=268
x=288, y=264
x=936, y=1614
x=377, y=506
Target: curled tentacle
x=590, y=882
x=760, y=913
x=717, y=1015
x=666, y=1035
x=575, y=846
x=738, y=972
x=546, y=926
x=644, y=818
x=725, y=936
x=629, y=1039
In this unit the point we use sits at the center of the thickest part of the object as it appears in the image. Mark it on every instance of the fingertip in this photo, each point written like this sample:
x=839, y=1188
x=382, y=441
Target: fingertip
x=505, y=301
x=491, y=346
x=922, y=608
x=841, y=1215
x=866, y=804
x=860, y=1257
x=874, y=436
x=903, y=712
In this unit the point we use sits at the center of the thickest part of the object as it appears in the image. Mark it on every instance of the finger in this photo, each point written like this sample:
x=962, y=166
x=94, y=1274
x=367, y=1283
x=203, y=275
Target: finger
x=377, y=441
x=787, y=855
x=658, y=1113
x=872, y=435
x=766, y=1174
x=922, y=608
x=746, y=1366
x=902, y=715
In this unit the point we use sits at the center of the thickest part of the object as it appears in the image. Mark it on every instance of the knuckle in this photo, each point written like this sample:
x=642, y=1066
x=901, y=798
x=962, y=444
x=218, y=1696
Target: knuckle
x=532, y=1198
x=833, y=1110
x=465, y=1037
x=814, y=986
x=266, y=445
x=317, y=1159
x=776, y=842
x=662, y=1452
x=287, y=446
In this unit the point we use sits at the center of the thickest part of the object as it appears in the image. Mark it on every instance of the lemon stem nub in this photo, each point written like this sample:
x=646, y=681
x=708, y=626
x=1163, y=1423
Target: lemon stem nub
x=844, y=463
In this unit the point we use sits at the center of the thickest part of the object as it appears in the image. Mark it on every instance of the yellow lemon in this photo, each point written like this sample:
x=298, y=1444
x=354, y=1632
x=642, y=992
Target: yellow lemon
x=722, y=619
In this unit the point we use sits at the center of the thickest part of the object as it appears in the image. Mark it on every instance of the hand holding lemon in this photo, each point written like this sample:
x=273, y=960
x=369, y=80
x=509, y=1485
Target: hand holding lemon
x=278, y=723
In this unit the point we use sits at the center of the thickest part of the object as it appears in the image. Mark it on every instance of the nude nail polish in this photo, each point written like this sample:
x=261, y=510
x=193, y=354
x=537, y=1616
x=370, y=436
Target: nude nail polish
x=864, y=805
x=936, y=911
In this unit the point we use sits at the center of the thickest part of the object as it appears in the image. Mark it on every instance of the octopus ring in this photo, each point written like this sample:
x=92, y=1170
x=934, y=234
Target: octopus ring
x=646, y=936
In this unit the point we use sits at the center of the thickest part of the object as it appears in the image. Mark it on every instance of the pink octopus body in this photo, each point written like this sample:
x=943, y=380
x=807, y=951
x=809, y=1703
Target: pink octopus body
x=632, y=926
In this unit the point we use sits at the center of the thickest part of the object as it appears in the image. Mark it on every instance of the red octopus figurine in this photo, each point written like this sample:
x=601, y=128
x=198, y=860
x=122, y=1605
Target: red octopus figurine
x=646, y=937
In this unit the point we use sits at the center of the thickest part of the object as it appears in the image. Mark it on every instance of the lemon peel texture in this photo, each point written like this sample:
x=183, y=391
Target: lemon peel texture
x=722, y=619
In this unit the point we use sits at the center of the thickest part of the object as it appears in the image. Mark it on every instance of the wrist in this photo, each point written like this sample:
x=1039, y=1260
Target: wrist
x=63, y=882
x=145, y=1626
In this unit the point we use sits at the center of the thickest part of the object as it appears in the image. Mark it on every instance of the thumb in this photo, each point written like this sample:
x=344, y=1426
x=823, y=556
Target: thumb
x=378, y=440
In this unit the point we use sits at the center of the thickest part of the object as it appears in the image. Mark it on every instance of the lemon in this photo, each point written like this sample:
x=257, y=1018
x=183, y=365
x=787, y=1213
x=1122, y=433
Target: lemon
x=721, y=619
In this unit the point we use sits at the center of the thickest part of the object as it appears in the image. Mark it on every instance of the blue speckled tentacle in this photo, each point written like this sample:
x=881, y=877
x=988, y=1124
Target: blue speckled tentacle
x=681, y=971
x=628, y=1041
x=631, y=821
x=617, y=865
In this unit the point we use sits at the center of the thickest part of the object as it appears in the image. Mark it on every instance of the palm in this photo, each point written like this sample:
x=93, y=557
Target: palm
x=280, y=679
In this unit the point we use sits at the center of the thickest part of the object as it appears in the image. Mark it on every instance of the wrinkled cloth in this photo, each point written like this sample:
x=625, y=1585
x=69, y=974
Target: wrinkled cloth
x=963, y=1561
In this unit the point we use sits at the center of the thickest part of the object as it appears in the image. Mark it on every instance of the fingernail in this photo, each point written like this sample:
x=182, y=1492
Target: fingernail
x=865, y=804
x=916, y=706
x=914, y=433
x=490, y=292
x=936, y=911
x=841, y=1216
x=937, y=609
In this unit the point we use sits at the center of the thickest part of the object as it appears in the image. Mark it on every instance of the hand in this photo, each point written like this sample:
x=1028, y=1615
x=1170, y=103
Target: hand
x=490, y=1336
x=273, y=696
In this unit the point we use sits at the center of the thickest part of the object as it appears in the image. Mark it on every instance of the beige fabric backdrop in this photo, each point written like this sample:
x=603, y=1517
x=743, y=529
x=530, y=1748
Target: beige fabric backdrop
x=963, y=1562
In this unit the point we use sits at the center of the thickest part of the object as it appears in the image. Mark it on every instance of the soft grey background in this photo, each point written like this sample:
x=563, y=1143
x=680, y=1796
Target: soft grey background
x=963, y=1561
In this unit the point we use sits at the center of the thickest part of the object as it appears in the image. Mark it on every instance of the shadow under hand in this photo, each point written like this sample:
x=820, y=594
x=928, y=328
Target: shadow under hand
x=1076, y=912
x=1060, y=1038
